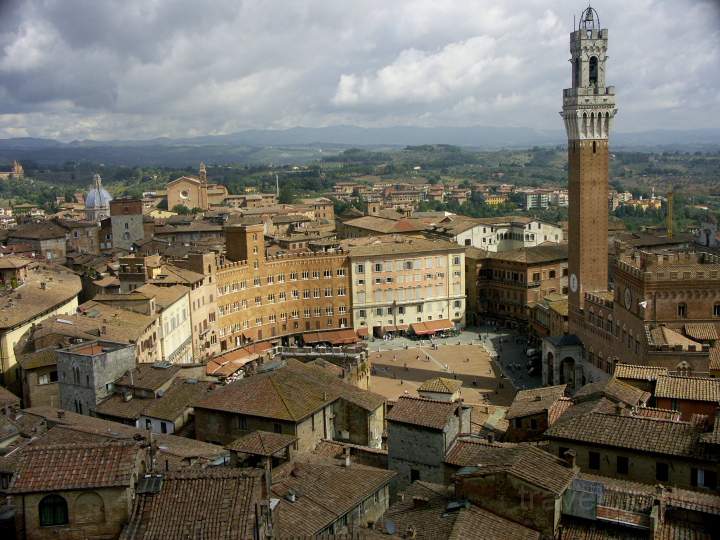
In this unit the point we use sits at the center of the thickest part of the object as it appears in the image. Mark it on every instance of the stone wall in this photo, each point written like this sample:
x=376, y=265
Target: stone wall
x=99, y=513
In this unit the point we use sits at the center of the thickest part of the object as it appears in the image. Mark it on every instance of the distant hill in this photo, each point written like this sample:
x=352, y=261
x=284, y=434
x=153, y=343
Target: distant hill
x=305, y=144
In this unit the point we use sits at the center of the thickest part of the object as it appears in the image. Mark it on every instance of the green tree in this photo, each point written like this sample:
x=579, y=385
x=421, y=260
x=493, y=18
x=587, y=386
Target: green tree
x=181, y=209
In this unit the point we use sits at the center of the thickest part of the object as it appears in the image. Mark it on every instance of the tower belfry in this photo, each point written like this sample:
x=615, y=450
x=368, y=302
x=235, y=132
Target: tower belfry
x=588, y=111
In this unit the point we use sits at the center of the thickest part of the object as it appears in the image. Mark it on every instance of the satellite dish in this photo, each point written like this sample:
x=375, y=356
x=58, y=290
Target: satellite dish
x=390, y=526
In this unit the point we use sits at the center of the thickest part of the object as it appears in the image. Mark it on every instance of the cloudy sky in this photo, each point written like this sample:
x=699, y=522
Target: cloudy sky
x=125, y=69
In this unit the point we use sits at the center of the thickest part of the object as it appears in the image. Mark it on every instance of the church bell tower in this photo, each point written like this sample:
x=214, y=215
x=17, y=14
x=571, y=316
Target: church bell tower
x=588, y=111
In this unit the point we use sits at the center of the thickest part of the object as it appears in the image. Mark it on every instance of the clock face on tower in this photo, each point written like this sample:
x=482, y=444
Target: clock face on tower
x=573, y=283
x=628, y=299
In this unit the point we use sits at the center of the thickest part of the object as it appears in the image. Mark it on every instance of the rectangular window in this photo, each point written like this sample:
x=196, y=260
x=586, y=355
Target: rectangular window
x=361, y=268
x=622, y=465
x=662, y=471
x=594, y=461
x=378, y=267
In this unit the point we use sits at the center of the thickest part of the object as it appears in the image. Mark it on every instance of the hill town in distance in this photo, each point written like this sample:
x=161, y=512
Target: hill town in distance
x=312, y=338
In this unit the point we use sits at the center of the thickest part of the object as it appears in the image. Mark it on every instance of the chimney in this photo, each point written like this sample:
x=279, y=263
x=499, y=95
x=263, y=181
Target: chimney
x=570, y=456
x=61, y=414
x=347, y=457
x=619, y=409
x=410, y=532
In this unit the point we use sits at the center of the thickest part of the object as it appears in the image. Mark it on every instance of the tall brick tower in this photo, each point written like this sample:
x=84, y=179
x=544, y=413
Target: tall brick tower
x=588, y=111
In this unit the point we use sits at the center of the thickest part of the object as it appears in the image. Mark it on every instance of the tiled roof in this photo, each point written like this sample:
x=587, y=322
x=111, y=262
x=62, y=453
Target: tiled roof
x=422, y=412
x=639, y=373
x=688, y=388
x=441, y=385
x=526, y=462
x=169, y=273
x=46, y=230
x=467, y=452
x=324, y=493
x=613, y=389
x=676, y=497
x=396, y=245
x=290, y=393
x=283, y=394
x=532, y=255
x=387, y=226
x=164, y=296
x=535, y=401
x=215, y=503
x=702, y=331
x=149, y=376
x=115, y=407
x=364, y=399
x=431, y=521
x=662, y=335
x=714, y=360
x=176, y=400
x=46, y=288
x=261, y=443
x=631, y=432
x=7, y=398
x=662, y=414
x=181, y=448
x=75, y=466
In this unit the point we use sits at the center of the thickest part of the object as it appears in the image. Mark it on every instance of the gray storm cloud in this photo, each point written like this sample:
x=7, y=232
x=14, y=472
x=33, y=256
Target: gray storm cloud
x=140, y=68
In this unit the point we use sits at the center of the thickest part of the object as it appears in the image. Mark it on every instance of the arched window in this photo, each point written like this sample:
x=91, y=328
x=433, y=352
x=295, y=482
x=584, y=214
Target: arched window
x=53, y=510
x=682, y=310
x=593, y=71
x=716, y=309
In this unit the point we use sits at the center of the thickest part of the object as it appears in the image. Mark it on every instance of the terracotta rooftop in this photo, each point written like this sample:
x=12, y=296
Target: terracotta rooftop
x=422, y=412
x=120, y=324
x=176, y=400
x=527, y=463
x=629, y=432
x=660, y=414
x=662, y=335
x=639, y=373
x=614, y=390
x=535, y=401
x=181, y=448
x=164, y=296
x=431, y=519
x=7, y=398
x=46, y=230
x=383, y=225
x=46, y=288
x=702, y=331
x=688, y=388
x=169, y=273
x=396, y=245
x=324, y=493
x=217, y=503
x=714, y=360
x=441, y=385
x=75, y=466
x=149, y=376
x=261, y=443
x=532, y=255
x=282, y=394
x=466, y=452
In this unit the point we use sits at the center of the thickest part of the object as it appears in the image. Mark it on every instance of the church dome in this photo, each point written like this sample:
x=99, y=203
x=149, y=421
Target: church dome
x=97, y=197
